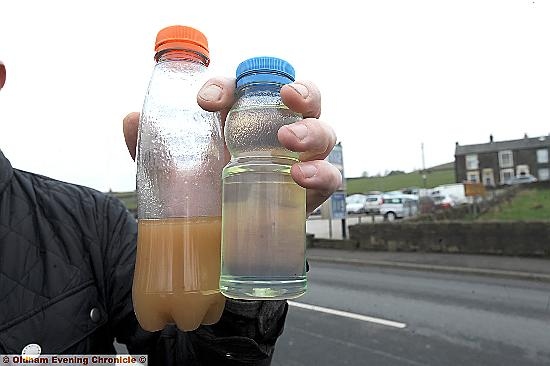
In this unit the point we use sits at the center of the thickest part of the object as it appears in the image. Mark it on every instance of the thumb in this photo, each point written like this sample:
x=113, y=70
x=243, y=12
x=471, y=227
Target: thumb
x=130, y=130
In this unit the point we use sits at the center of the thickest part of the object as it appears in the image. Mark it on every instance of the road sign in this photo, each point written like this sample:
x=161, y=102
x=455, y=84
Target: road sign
x=474, y=189
x=335, y=206
x=336, y=158
x=338, y=205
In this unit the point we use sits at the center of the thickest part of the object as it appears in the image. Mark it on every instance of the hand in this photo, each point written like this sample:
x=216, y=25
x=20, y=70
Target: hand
x=312, y=138
x=2, y=74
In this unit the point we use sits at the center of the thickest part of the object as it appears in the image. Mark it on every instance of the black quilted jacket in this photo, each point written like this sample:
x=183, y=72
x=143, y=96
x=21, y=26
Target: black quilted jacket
x=66, y=266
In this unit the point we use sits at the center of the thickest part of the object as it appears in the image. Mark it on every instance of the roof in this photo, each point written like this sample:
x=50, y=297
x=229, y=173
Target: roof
x=524, y=143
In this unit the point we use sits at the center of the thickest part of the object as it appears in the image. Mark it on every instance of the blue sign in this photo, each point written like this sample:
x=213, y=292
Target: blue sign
x=335, y=156
x=338, y=205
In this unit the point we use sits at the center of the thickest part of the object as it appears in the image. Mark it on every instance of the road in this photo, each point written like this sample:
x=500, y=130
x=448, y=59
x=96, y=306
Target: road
x=440, y=319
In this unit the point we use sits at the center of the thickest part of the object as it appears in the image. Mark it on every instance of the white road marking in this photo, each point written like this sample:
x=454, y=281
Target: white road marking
x=389, y=323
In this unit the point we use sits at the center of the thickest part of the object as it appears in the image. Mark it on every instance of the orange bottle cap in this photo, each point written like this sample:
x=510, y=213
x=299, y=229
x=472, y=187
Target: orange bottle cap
x=182, y=37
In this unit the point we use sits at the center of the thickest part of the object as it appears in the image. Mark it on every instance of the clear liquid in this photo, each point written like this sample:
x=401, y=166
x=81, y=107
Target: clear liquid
x=263, y=235
x=177, y=273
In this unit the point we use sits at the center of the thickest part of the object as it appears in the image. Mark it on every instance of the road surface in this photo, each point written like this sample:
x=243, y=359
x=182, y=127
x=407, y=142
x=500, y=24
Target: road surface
x=404, y=317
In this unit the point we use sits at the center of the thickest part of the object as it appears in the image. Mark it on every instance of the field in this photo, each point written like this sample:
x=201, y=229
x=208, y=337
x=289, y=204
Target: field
x=399, y=181
x=128, y=198
x=528, y=204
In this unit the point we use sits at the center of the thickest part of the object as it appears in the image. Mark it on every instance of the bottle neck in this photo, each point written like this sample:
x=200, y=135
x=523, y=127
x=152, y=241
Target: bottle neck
x=181, y=55
x=254, y=88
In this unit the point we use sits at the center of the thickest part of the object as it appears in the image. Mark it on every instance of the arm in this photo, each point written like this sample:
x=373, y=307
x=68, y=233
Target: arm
x=120, y=239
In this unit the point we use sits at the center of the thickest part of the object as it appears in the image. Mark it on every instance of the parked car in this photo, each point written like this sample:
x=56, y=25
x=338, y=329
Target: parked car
x=397, y=206
x=426, y=204
x=356, y=203
x=411, y=190
x=372, y=206
x=521, y=179
x=443, y=201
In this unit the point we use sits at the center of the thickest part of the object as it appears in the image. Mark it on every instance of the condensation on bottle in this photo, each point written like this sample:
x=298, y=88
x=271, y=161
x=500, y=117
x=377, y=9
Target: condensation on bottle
x=180, y=157
x=264, y=210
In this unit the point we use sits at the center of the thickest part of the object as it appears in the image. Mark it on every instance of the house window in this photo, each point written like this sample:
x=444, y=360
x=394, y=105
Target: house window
x=505, y=159
x=544, y=174
x=542, y=156
x=522, y=170
x=471, y=162
x=488, y=177
x=505, y=175
x=473, y=176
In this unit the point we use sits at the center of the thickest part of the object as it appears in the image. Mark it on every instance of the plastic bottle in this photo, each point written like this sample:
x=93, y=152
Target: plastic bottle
x=264, y=210
x=179, y=162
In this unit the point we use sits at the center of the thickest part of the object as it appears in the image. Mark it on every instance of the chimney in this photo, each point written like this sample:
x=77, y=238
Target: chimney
x=525, y=135
x=491, y=138
x=456, y=143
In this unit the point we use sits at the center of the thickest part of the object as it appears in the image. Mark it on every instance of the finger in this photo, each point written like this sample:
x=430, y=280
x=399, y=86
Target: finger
x=319, y=177
x=302, y=97
x=130, y=130
x=2, y=74
x=314, y=139
x=217, y=95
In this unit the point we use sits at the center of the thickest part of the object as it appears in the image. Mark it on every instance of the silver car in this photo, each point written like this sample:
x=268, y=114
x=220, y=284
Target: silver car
x=355, y=204
x=398, y=206
x=521, y=179
x=373, y=203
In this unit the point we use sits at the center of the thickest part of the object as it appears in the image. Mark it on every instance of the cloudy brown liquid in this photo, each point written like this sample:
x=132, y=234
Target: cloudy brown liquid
x=176, y=278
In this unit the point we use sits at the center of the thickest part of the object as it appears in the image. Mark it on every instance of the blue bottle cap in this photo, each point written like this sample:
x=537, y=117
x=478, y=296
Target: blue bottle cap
x=264, y=69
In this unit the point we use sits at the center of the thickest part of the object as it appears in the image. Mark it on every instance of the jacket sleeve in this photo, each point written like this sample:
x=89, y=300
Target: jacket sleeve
x=120, y=243
x=245, y=335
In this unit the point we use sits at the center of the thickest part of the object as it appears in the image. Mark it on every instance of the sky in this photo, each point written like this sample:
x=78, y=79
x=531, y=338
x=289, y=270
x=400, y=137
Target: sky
x=394, y=75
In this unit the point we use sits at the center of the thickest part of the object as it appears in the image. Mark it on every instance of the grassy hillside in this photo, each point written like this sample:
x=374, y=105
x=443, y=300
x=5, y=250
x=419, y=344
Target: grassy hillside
x=395, y=182
x=528, y=204
x=128, y=198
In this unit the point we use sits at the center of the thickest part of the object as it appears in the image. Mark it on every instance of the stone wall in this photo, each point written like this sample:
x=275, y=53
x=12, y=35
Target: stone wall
x=506, y=238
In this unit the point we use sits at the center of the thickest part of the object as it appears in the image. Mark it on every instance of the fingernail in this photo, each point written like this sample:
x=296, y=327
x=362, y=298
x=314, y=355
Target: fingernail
x=300, y=89
x=308, y=170
x=212, y=93
x=299, y=130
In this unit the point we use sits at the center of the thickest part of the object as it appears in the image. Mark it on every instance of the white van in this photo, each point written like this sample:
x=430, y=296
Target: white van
x=454, y=191
x=398, y=206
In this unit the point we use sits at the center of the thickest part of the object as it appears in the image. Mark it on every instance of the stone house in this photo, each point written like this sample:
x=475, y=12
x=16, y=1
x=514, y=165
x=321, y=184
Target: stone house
x=494, y=162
